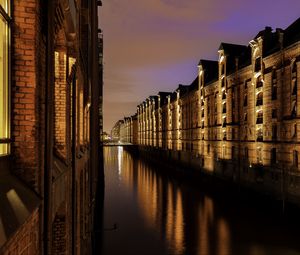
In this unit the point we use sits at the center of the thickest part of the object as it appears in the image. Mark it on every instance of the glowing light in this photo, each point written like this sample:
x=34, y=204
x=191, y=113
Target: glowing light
x=17, y=205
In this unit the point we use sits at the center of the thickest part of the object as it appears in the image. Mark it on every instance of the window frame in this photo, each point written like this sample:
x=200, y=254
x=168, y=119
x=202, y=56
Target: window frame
x=6, y=15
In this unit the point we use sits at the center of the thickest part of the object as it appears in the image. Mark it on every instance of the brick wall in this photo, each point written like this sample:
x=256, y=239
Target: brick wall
x=25, y=241
x=60, y=103
x=59, y=235
x=28, y=82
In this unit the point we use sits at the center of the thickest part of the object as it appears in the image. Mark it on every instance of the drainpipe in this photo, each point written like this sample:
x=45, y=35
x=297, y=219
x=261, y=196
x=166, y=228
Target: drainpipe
x=48, y=129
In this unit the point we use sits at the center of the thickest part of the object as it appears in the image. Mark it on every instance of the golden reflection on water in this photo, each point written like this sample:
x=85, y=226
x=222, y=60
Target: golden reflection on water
x=186, y=220
x=161, y=204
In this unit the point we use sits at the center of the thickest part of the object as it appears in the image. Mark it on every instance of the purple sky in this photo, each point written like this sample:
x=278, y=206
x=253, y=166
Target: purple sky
x=153, y=45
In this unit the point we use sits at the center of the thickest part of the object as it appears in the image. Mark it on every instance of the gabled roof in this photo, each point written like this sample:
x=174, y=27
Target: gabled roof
x=210, y=69
x=232, y=49
x=195, y=84
x=163, y=97
x=292, y=33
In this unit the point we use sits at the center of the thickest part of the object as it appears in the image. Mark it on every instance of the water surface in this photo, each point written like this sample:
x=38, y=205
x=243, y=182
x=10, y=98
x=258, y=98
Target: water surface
x=150, y=212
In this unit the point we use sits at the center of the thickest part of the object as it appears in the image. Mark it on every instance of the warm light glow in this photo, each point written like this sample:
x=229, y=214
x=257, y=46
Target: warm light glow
x=21, y=212
x=257, y=74
x=4, y=86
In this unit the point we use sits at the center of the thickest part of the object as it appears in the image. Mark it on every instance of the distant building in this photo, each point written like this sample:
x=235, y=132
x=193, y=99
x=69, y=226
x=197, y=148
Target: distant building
x=239, y=118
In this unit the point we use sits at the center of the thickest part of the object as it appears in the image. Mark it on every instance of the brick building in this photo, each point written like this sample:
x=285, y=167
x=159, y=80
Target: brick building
x=239, y=118
x=49, y=108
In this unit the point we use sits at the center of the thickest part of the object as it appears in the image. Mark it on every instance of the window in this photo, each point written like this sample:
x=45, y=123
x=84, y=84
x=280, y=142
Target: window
x=259, y=99
x=259, y=119
x=245, y=117
x=259, y=82
x=233, y=153
x=224, y=108
x=208, y=149
x=274, y=113
x=274, y=132
x=4, y=81
x=257, y=64
x=273, y=156
x=245, y=100
x=295, y=158
x=246, y=153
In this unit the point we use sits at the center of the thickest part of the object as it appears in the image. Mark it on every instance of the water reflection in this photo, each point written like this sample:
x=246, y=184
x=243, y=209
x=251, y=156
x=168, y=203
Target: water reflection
x=157, y=214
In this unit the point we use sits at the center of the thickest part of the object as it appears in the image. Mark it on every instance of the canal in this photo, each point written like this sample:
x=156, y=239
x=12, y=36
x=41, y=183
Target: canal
x=149, y=212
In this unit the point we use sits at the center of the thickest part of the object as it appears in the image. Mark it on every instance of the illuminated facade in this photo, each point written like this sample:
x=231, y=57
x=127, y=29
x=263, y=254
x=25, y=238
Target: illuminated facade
x=240, y=117
x=50, y=97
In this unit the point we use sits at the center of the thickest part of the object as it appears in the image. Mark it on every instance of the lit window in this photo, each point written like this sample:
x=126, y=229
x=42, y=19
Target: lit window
x=4, y=81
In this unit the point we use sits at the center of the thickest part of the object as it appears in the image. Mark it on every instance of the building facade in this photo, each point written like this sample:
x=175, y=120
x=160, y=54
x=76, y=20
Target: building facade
x=49, y=57
x=240, y=117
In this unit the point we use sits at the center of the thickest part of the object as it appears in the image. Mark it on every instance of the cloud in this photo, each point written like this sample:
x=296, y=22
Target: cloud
x=155, y=45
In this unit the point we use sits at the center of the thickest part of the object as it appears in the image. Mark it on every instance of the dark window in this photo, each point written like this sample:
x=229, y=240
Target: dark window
x=208, y=148
x=274, y=132
x=224, y=108
x=245, y=117
x=259, y=82
x=257, y=67
x=295, y=158
x=233, y=153
x=259, y=119
x=245, y=100
x=259, y=99
x=246, y=153
x=274, y=113
x=224, y=95
x=273, y=156
x=294, y=109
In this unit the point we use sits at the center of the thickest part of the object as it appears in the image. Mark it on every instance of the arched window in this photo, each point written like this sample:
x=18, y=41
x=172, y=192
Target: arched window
x=259, y=119
x=259, y=99
x=4, y=80
x=259, y=82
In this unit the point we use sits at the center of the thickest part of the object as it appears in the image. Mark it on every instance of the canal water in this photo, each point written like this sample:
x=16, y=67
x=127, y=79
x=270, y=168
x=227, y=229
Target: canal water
x=149, y=212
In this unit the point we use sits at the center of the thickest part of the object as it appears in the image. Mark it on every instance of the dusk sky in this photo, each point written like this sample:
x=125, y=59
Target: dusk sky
x=154, y=45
